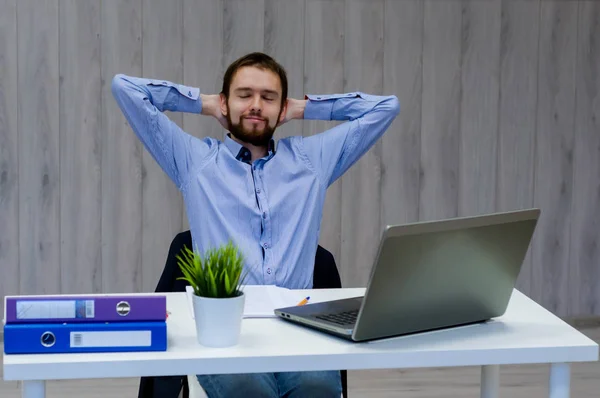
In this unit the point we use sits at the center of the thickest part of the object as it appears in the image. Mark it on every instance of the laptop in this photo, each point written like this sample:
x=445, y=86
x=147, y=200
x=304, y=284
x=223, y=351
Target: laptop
x=430, y=275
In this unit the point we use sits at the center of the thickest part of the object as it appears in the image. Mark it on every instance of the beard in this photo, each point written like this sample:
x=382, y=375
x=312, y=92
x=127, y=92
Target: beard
x=255, y=136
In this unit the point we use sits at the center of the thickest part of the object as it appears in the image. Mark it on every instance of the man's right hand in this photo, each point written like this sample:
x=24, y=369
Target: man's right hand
x=211, y=106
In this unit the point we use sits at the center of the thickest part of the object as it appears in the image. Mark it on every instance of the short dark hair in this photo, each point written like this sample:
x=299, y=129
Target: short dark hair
x=260, y=60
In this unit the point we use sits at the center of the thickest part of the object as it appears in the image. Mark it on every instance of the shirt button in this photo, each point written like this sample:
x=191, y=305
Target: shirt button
x=266, y=245
x=269, y=271
x=265, y=215
x=257, y=190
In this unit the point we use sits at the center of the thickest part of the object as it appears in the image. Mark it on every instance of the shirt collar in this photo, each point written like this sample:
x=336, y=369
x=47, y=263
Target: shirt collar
x=242, y=153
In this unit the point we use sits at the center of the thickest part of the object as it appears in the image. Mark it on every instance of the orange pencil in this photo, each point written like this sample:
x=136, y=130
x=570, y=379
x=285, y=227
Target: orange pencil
x=304, y=301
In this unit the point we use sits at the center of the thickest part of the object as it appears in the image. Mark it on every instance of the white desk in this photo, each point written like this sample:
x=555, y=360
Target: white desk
x=527, y=333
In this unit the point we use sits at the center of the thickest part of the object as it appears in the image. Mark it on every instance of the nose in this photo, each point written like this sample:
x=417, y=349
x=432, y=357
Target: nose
x=256, y=105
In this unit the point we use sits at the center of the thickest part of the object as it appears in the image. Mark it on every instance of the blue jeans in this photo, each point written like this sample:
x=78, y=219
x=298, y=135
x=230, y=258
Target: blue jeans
x=273, y=385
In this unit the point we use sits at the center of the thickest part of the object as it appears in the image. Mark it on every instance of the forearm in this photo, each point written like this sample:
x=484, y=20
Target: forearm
x=164, y=95
x=349, y=106
x=142, y=102
x=332, y=152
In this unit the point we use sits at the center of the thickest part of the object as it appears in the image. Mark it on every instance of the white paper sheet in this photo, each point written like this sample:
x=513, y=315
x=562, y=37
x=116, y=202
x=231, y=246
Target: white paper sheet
x=260, y=301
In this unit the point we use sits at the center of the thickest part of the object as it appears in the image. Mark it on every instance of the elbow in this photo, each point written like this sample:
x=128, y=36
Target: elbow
x=394, y=105
x=117, y=83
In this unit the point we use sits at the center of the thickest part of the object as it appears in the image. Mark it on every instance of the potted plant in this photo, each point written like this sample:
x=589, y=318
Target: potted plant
x=216, y=279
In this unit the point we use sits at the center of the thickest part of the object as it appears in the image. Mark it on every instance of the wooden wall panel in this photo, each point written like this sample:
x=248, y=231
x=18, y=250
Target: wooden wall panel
x=121, y=49
x=80, y=147
x=584, y=249
x=440, y=124
x=554, y=153
x=401, y=145
x=479, y=106
x=9, y=150
x=517, y=112
x=499, y=109
x=243, y=28
x=39, y=156
x=162, y=204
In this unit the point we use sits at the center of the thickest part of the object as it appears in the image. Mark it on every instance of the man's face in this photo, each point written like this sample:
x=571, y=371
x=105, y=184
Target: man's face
x=254, y=106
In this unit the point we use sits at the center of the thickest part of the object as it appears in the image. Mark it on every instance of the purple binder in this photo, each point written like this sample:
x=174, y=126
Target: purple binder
x=80, y=308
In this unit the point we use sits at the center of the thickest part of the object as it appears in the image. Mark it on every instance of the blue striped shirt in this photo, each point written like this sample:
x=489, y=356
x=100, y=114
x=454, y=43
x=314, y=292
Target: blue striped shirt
x=272, y=207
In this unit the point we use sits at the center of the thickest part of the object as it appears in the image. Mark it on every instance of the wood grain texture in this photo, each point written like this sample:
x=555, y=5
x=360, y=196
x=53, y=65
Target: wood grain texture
x=479, y=107
x=162, y=29
x=121, y=26
x=202, y=64
x=361, y=184
x=284, y=30
x=401, y=145
x=453, y=64
x=584, y=259
x=324, y=74
x=517, y=113
x=243, y=28
x=440, y=124
x=39, y=161
x=9, y=151
x=80, y=147
x=554, y=153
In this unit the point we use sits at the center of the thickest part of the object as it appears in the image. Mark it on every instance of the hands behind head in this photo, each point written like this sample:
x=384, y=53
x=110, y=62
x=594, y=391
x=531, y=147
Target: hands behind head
x=294, y=110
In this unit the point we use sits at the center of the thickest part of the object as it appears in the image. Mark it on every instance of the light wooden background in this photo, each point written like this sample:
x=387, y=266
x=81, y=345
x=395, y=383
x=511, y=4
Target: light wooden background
x=500, y=110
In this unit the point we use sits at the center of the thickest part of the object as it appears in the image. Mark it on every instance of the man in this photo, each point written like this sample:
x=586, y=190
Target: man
x=267, y=198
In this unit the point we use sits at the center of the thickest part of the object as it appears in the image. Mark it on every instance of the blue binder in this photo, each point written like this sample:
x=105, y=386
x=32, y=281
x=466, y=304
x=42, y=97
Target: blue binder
x=52, y=338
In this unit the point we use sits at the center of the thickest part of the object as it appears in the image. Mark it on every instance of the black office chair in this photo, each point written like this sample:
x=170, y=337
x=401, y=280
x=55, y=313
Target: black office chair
x=325, y=276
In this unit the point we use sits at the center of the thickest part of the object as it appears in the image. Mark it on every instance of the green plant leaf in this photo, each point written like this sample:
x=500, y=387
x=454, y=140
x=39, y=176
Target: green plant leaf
x=227, y=285
x=218, y=272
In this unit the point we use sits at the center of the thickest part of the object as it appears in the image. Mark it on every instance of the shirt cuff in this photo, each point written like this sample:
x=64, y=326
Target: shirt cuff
x=190, y=99
x=320, y=107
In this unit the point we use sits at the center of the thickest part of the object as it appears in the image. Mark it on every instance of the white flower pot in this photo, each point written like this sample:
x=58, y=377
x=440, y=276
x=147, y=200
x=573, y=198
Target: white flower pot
x=218, y=320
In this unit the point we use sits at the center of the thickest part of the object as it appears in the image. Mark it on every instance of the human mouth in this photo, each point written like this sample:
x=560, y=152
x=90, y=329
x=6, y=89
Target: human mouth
x=255, y=119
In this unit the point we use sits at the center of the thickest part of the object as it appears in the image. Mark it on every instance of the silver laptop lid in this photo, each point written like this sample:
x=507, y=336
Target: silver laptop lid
x=435, y=274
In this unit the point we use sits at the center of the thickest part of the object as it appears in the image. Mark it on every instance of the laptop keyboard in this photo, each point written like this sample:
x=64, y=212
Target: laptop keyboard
x=342, y=318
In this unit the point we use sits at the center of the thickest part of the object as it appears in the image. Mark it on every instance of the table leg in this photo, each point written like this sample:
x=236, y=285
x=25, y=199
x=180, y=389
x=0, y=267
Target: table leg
x=560, y=380
x=490, y=381
x=33, y=389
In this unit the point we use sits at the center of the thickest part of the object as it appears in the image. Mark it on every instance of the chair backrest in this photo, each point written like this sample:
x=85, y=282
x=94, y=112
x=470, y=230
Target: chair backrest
x=325, y=273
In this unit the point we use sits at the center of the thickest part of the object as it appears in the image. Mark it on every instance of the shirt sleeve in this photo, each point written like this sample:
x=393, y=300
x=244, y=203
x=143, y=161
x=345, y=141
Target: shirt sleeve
x=333, y=152
x=143, y=102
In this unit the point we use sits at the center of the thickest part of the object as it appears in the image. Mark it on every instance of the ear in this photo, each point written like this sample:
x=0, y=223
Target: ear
x=223, y=104
x=283, y=111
